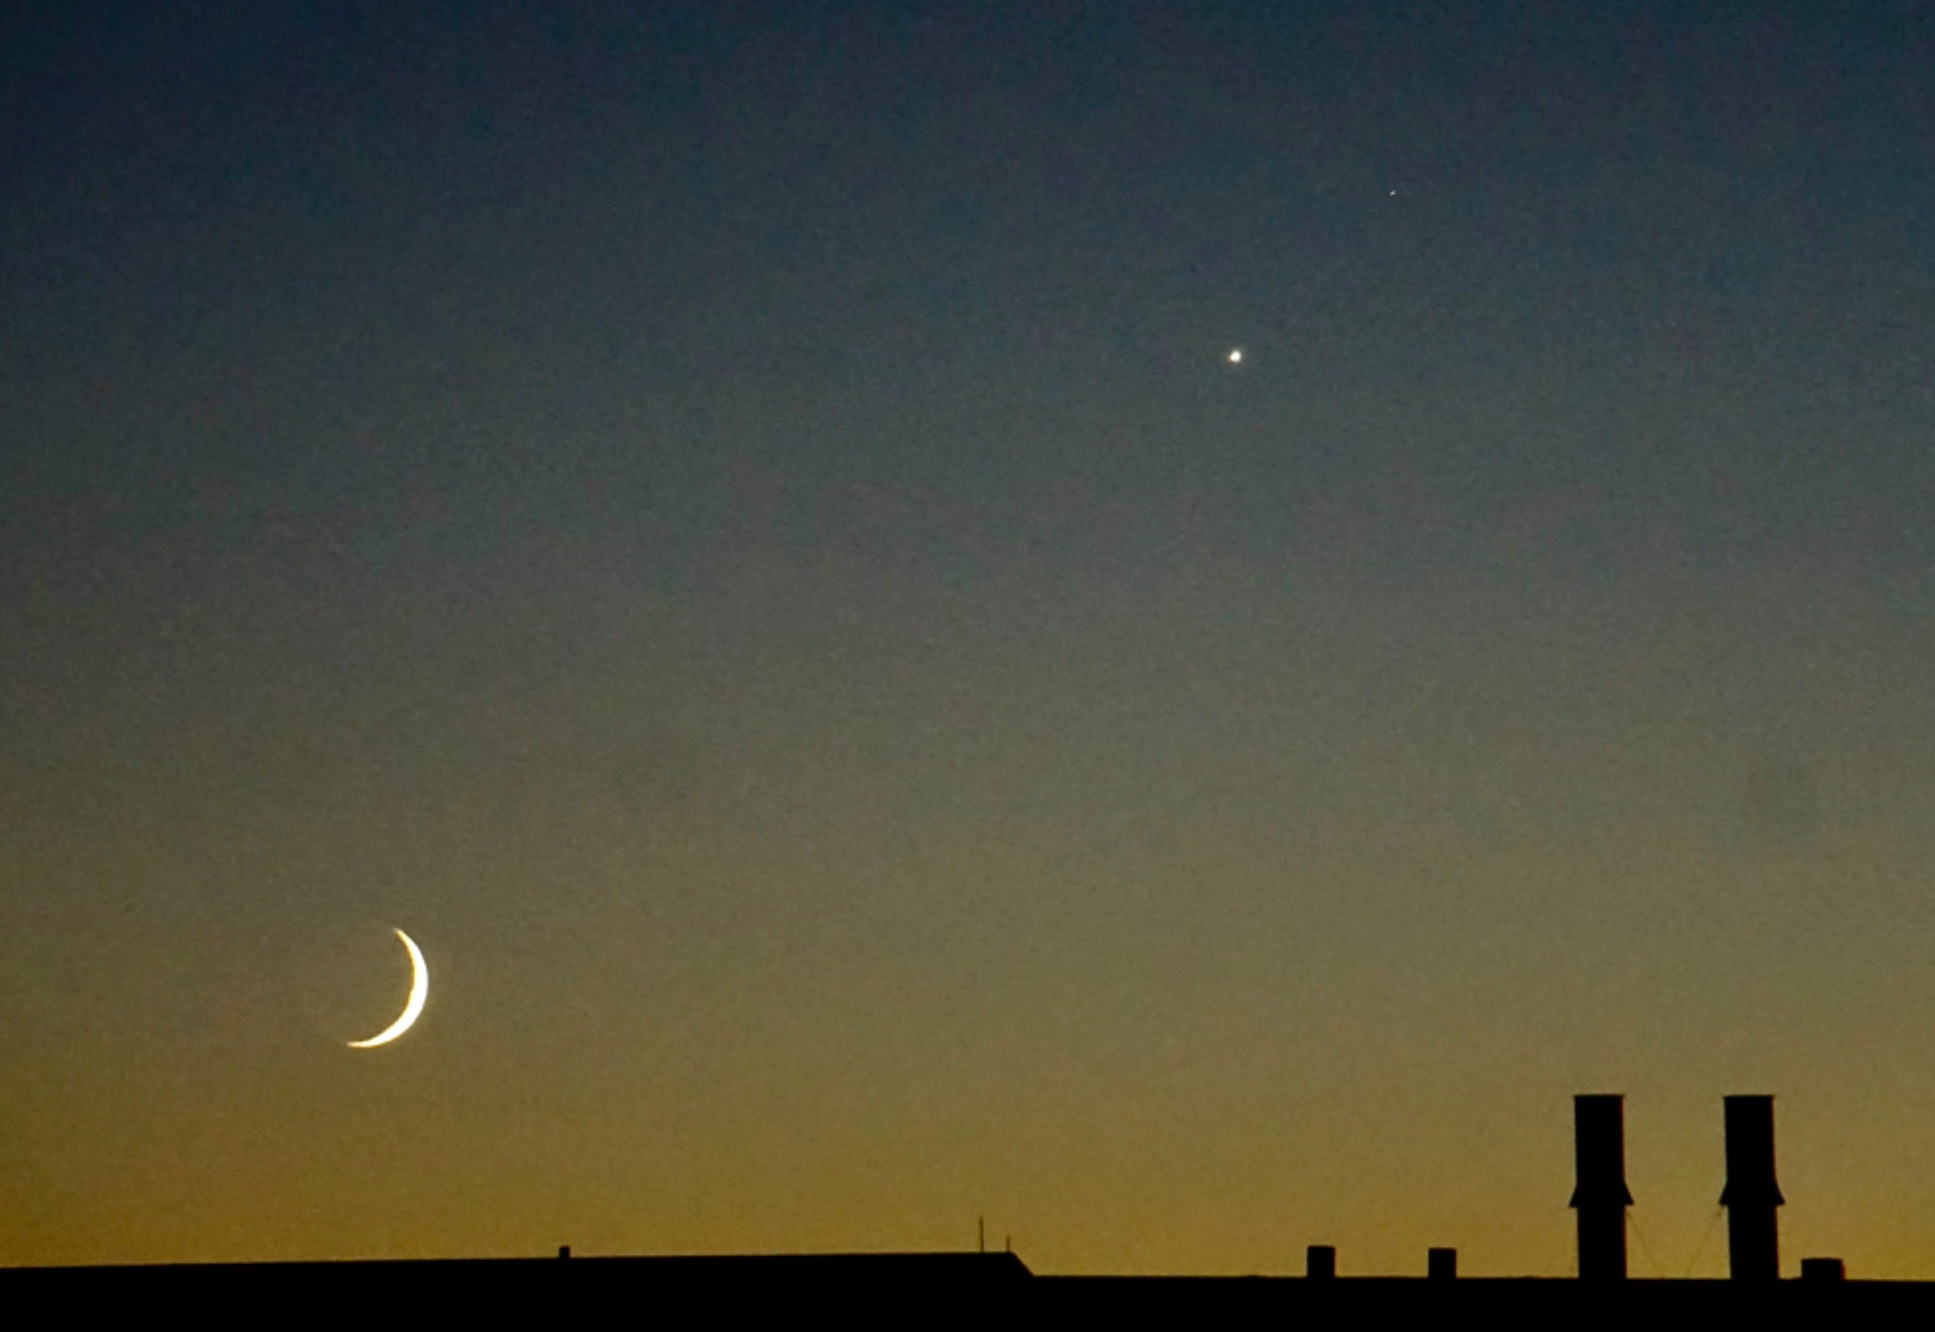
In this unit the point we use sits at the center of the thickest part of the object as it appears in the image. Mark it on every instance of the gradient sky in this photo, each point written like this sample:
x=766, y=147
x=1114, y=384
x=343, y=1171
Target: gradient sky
x=733, y=525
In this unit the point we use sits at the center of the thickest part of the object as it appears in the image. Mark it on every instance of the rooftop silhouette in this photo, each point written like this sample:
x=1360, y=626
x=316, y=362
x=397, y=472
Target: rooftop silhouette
x=923, y=1284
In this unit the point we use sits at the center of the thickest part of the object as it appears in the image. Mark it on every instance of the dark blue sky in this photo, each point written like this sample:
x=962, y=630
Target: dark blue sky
x=611, y=226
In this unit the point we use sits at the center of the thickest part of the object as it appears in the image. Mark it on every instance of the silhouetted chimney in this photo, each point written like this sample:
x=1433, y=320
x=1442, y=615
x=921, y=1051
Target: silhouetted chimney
x=1599, y=1193
x=1751, y=1195
x=1319, y=1261
x=1823, y=1269
x=1441, y=1264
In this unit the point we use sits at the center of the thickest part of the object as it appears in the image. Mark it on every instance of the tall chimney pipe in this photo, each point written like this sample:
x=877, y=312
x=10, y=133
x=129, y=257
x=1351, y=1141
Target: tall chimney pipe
x=1600, y=1195
x=1751, y=1195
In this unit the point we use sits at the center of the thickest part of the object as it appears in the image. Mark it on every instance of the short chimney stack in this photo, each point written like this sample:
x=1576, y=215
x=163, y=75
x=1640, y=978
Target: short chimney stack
x=1441, y=1264
x=1751, y=1195
x=1320, y=1262
x=1599, y=1194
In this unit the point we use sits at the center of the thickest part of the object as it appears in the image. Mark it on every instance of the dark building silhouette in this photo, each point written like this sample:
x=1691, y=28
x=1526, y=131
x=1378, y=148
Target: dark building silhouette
x=907, y=1288
x=925, y=1288
x=1751, y=1195
x=1600, y=1195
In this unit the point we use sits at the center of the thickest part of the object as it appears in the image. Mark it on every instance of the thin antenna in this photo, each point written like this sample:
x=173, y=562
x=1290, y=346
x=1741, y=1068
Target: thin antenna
x=981, y=1230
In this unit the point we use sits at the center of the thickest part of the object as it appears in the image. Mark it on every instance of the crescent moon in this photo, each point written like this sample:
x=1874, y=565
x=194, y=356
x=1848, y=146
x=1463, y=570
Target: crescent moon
x=419, y=991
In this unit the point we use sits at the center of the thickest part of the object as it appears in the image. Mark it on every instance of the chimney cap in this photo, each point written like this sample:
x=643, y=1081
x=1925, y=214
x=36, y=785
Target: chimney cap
x=1599, y=1149
x=1750, y=1153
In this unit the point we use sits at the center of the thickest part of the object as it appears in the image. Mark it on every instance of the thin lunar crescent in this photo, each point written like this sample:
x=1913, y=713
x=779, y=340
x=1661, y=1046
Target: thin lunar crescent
x=419, y=991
